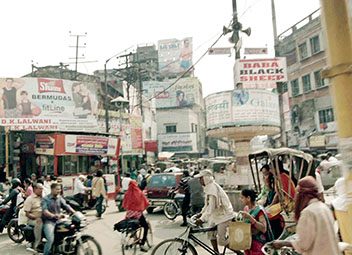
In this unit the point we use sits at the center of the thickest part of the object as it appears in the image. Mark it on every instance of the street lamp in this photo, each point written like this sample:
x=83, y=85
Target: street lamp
x=120, y=100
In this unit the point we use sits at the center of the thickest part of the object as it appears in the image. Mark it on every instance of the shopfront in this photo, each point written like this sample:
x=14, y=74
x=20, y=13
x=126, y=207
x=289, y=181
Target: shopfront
x=69, y=155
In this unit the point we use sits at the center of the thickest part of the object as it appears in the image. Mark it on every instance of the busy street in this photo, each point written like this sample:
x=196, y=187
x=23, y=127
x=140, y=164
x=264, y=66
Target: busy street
x=176, y=127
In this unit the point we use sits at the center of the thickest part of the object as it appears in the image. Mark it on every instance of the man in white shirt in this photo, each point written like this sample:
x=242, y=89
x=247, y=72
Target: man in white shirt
x=79, y=190
x=217, y=210
x=47, y=184
x=125, y=182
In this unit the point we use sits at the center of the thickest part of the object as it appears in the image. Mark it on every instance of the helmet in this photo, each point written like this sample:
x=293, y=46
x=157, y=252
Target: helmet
x=15, y=182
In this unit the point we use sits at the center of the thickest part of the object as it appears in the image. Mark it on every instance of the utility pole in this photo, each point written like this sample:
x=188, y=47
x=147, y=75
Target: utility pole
x=77, y=46
x=7, y=165
x=235, y=29
x=273, y=17
x=337, y=21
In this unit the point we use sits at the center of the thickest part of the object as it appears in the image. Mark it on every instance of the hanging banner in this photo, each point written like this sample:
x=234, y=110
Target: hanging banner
x=45, y=104
x=260, y=73
x=91, y=145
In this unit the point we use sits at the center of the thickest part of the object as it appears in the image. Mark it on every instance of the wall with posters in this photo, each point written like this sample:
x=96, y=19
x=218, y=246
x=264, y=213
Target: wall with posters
x=43, y=104
x=175, y=56
x=254, y=107
x=178, y=142
x=185, y=92
x=260, y=73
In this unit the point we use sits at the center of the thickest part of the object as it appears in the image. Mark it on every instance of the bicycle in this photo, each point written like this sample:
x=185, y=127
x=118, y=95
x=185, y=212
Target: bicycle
x=132, y=233
x=182, y=244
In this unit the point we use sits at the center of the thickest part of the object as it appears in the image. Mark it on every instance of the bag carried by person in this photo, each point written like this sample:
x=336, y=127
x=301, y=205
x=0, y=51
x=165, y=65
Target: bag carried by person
x=240, y=234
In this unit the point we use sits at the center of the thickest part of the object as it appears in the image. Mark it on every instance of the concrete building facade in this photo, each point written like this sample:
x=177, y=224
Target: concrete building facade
x=308, y=121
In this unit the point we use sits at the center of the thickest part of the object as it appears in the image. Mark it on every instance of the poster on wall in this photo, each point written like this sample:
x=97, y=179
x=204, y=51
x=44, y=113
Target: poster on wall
x=260, y=73
x=45, y=104
x=186, y=142
x=218, y=109
x=44, y=144
x=185, y=92
x=175, y=56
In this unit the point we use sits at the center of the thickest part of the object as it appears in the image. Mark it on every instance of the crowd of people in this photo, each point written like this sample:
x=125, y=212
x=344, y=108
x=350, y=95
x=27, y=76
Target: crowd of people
x=43, y=200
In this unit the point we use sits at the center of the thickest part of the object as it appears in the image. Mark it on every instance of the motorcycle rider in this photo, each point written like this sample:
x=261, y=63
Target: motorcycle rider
x=51, y=206
x=14, y=191
x=33, y=209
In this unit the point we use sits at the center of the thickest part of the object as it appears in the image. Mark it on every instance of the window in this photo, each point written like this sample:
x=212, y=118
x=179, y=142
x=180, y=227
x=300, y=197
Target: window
x=171, y=128
x=194, y=128
x=319, y=82
x=303, y=51
x=315, y=44
x=306, y=83
x=295, y=87
x=326, y=116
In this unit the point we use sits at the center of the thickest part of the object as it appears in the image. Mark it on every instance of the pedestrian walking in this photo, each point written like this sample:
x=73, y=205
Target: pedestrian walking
x=99, y=192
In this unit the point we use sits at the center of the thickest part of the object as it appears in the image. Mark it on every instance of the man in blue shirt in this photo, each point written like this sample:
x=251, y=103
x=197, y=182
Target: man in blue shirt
x=51, y=205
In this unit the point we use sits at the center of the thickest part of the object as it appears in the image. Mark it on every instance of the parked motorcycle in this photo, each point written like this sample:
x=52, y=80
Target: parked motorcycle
x=172, y=208
x=72, y=201
x=68, y=237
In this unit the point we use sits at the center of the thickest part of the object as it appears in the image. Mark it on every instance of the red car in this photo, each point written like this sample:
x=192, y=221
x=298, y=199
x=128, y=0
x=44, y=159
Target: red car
x=159, y=187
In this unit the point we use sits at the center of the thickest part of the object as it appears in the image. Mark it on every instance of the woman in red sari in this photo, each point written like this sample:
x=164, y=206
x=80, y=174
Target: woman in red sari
x=135, y=203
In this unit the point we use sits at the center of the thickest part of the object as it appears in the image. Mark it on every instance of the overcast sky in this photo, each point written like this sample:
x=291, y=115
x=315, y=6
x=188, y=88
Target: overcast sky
x=38, y=31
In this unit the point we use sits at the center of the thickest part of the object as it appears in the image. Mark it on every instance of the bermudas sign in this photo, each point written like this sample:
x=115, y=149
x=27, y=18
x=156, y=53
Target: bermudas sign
x=254, y=107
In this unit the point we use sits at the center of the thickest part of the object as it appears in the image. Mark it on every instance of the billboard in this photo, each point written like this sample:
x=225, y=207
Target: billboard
x=182, y=142
x=251, y=107
x=44, y=144
x=48, y=104
x=91, y=145
x=175, y=56
x=185, y=92
x=218, y=109
x=260, y=73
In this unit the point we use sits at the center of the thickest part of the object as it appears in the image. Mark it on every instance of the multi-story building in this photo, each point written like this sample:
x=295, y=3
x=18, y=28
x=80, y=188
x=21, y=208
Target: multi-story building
x=308, y=121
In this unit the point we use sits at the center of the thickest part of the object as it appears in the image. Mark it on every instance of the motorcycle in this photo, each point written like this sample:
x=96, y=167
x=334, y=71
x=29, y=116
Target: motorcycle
x=68, y=237
x=72, y=201
x=173, y=207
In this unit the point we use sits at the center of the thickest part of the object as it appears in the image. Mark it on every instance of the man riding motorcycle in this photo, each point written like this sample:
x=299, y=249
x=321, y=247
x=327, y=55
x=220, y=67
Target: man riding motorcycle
x=14, y=191
x=33, y=209
x=51, y=205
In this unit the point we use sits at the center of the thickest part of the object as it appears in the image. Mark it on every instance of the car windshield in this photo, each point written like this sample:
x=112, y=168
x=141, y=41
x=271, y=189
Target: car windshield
x=162, y=181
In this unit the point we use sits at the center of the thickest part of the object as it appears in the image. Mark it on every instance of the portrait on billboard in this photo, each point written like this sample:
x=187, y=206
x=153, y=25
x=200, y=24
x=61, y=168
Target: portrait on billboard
x=26, y=107
x=81, y=99
x=240, y=97
x=180, y=99
x=8, y=97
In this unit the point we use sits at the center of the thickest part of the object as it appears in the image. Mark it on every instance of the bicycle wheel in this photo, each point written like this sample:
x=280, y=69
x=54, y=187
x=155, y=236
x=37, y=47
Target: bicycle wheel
x=150, y=235
x=88, y=246
x=130, y=242
x=174, y=246
x=14, y=231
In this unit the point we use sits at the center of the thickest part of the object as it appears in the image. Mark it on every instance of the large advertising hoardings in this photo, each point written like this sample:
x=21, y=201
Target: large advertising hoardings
x=254, y=107
x=185, y=92
x=186, y=142
x=48, y=104
x=260, y=73
x=175, y=56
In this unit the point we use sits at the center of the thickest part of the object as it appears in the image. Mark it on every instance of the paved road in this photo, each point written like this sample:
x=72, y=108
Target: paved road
x=102, y=230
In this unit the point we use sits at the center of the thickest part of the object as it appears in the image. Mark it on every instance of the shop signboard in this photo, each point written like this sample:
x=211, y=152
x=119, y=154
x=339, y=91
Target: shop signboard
x=317, y=141
x=44, y=144
x=91, y=145
x=151, y=146
x=218, y=109
x=174, y=56
x=43, y=104
x=181, y=142
x=260, y=73
x=172, y=93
